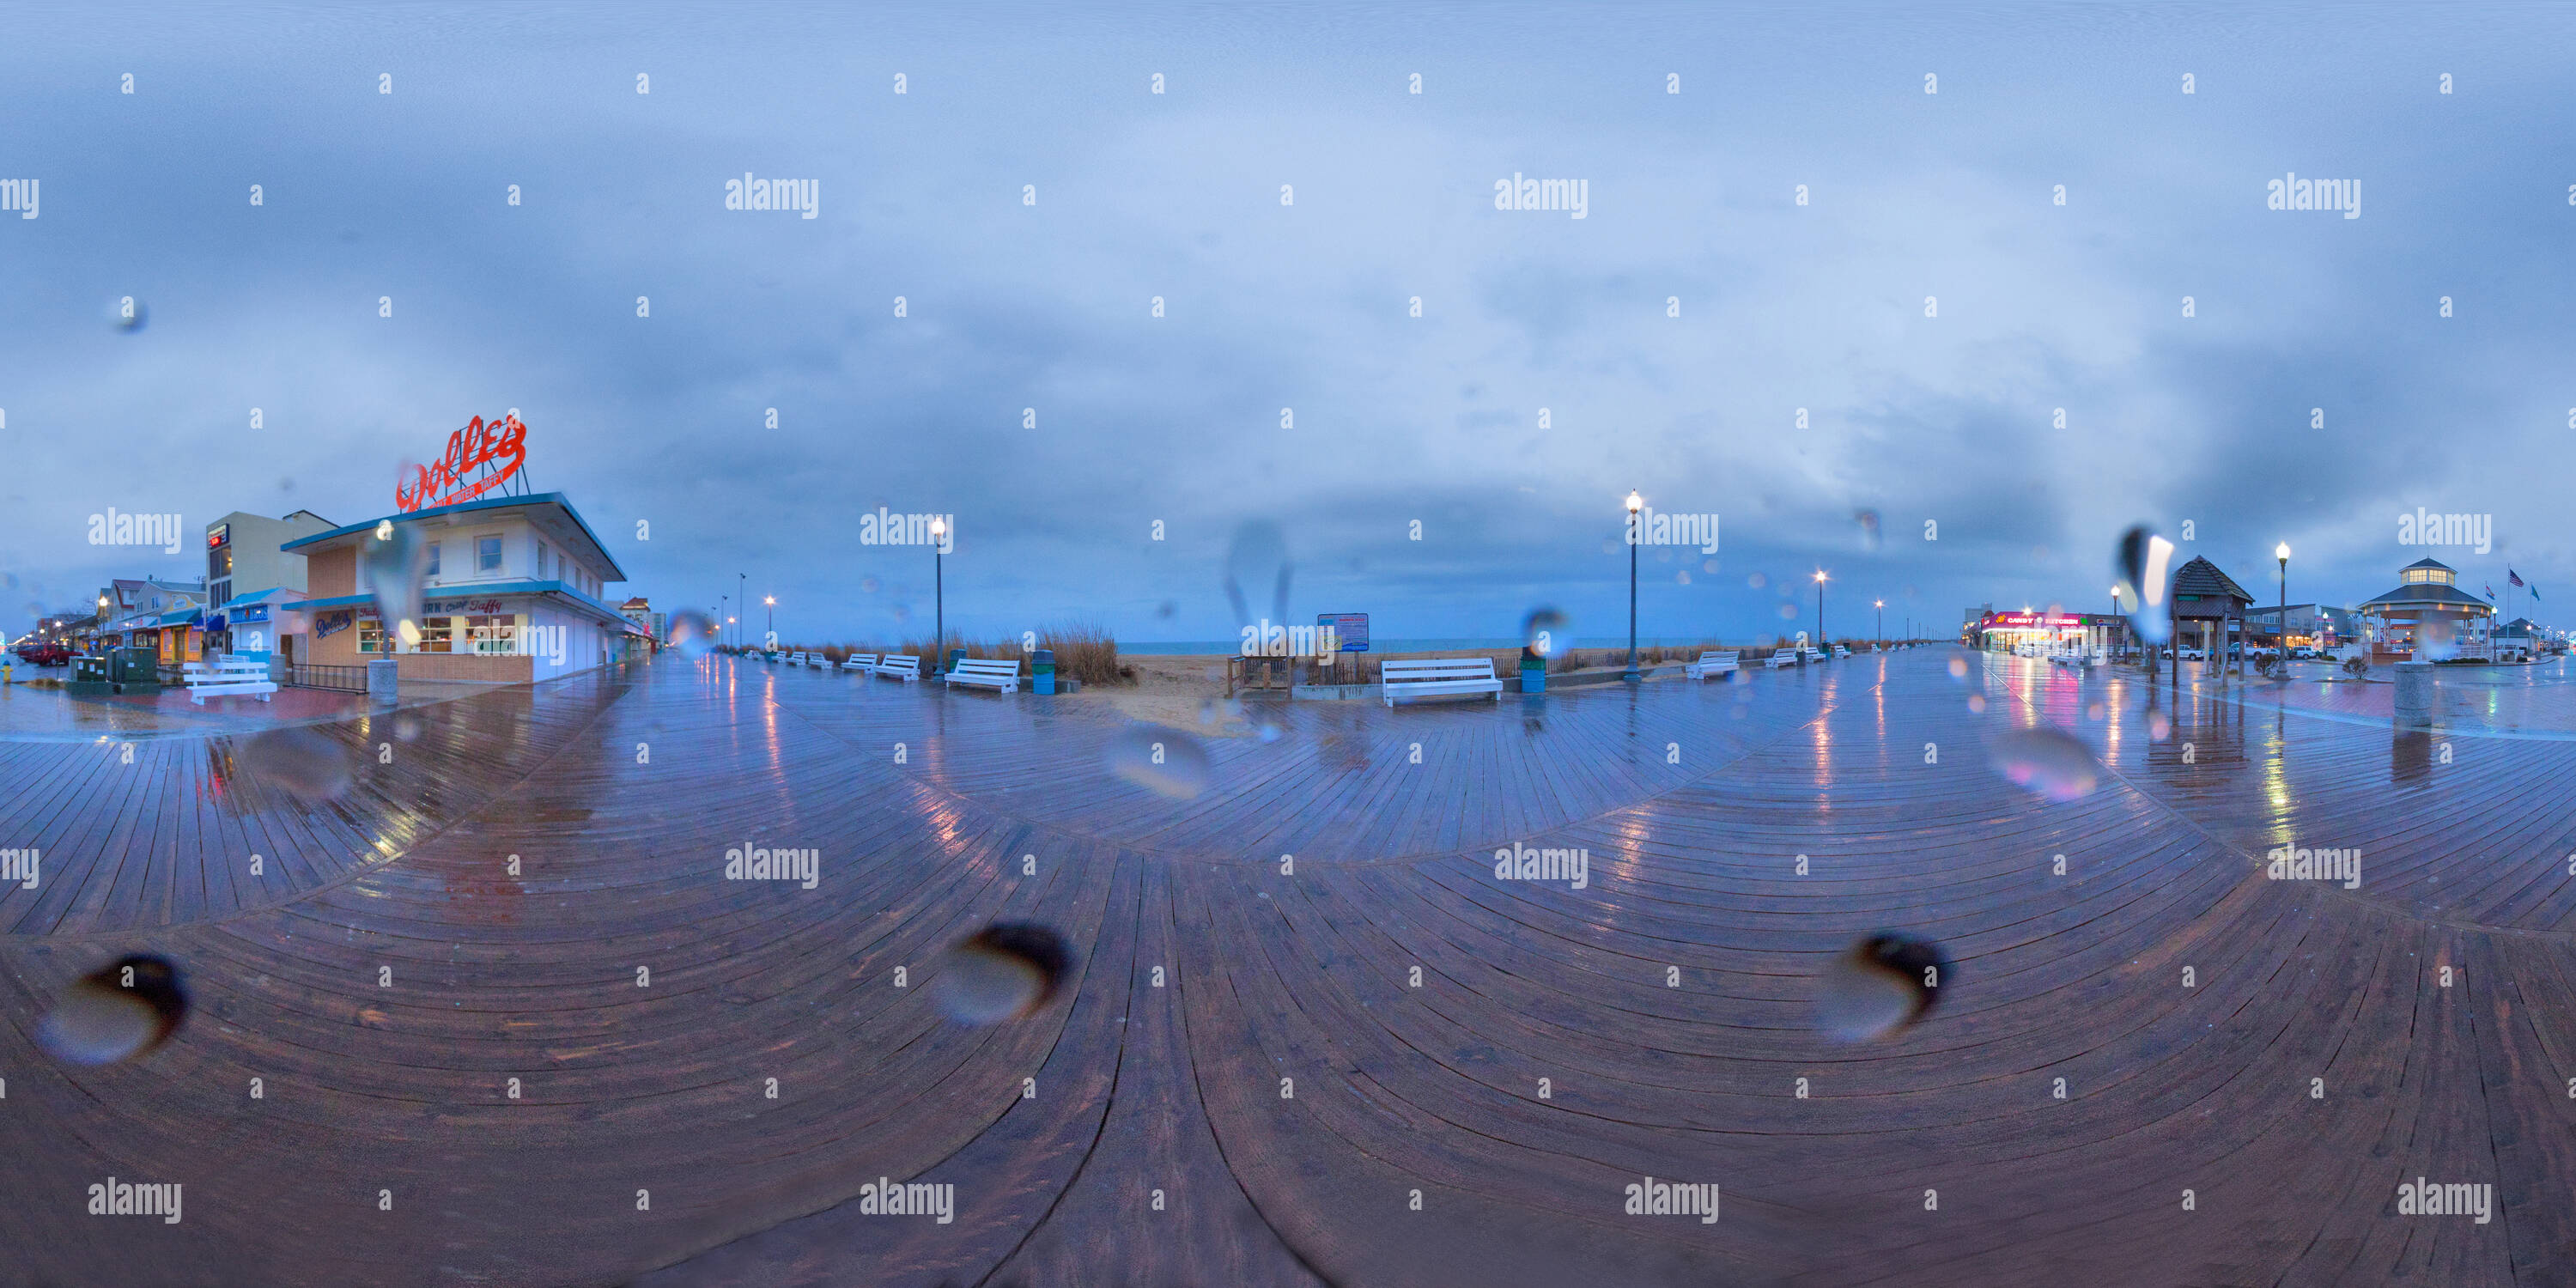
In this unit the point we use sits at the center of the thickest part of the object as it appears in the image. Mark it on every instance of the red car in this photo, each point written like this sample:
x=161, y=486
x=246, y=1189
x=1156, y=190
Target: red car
x=45, y=653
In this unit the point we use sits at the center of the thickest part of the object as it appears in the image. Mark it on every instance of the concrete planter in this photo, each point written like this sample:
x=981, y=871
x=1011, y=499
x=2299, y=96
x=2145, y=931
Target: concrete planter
x=2414, y=695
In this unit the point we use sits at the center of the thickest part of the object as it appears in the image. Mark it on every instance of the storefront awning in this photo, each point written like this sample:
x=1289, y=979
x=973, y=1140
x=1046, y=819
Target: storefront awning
x=450, y=599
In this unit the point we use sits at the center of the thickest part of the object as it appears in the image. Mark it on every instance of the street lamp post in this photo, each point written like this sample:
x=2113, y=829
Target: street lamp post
x=2282, y=553
x=721, y=618
x=1635, y=503
x=939, y=593
x=742, y=596
x=770, y=602
x=1881, y=606
x=1820, y=612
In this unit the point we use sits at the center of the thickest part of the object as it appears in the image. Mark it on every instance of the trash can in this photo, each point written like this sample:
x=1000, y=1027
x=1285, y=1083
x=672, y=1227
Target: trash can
x=1042, y=672
x=1533, y=675
x=955, y=656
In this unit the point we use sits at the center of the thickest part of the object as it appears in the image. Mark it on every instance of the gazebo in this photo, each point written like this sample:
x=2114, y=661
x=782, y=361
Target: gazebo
x=2428, y=616
x=2204, y=595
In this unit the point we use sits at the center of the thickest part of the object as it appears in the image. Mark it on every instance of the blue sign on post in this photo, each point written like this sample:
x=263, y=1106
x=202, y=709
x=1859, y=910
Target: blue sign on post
x=1350, y=628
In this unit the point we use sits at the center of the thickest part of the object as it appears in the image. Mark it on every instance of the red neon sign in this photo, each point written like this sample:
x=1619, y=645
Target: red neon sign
x=478, y=445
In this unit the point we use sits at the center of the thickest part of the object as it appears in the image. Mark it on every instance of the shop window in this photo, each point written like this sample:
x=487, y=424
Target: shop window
x=432, y=570
x=497, y=634
x=437, y=634
x=371, y=635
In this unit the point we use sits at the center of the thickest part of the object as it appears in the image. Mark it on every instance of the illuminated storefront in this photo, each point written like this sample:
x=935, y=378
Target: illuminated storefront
x=2026, y=632
x=512, y=587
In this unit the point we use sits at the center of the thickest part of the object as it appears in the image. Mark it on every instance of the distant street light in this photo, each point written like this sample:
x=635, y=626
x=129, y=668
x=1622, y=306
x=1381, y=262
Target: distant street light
x=771, y=603
x=939, y=591
x=1635, y=503
x=1820, y=610
x=1881, y=606
x=2282, y=553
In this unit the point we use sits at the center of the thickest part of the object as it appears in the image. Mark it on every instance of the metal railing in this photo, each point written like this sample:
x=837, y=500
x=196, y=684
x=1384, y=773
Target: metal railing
x=341, y=679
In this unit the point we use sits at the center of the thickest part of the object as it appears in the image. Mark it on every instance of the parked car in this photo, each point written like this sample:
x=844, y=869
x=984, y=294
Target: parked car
x=45, y=653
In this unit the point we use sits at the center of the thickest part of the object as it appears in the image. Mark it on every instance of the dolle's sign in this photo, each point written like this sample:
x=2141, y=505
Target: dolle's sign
x=497, y=449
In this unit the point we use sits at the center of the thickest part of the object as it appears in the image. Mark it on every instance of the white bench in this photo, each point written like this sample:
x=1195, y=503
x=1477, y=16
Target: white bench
x=859, y=662
x=238, y=675
x=796, y=659
x=1002, y=674
x=1783, y=658
x=1712, y=663
x=1841, y=650
x=1428, y=677
x=904, y=667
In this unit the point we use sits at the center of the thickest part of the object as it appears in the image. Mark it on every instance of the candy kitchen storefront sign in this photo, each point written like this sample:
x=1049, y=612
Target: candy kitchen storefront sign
x=480, y=457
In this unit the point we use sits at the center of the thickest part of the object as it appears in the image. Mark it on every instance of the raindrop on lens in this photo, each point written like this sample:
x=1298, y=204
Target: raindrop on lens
x=1977, y=703
x=299, y=759
x=2143, y=582
x=1544, y=631
x=692, y=633
x=1256, y=563
x=1166, y=609
x=1958, y=668
x=393, y=562
x=1868, y=521
x=1006, y=972
x=1164, y=761
x=101, y=1018
x=1878, y=987
x=2046, y=760
x=2159, y=726
x=868, y=585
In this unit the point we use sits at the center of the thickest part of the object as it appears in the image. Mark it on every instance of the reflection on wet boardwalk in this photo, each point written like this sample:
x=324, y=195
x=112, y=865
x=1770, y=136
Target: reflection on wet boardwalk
x=1242, y=1084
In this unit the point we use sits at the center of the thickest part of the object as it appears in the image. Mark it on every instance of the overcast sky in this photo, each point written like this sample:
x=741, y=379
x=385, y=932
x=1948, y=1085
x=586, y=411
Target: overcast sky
x=1946, y=419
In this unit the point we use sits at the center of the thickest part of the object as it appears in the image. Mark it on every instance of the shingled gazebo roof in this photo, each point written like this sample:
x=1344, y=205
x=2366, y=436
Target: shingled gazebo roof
x=2201, y=577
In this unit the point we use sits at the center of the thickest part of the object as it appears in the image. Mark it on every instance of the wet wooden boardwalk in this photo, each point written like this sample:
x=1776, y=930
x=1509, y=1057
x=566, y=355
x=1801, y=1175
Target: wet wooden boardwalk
x=1663, y=1007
